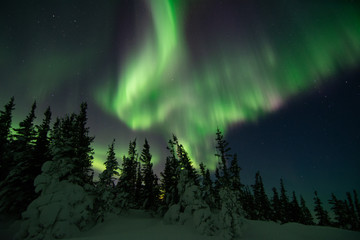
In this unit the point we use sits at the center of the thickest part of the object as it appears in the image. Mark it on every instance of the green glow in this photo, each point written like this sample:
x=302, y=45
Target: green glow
x=159, y=87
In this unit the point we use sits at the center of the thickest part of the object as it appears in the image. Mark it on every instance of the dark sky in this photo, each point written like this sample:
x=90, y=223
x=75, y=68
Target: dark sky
x=280, y=79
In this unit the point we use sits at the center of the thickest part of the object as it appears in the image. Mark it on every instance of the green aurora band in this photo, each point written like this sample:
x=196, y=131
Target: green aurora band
x=160, y=86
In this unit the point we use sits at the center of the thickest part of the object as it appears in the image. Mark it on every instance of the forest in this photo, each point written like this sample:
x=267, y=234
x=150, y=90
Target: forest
x=47, y=181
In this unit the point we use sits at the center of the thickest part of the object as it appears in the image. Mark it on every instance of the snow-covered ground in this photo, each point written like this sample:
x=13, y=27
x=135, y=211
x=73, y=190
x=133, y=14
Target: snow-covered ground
x=139, y=225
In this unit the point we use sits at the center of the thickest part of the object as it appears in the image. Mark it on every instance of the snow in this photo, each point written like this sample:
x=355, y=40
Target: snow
x=132, y=227
x=141, y=225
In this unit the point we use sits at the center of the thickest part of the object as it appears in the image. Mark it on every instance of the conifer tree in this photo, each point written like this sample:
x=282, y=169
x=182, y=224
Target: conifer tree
x=275, y=206
x=339, y=210
x=5, y=137
x=17, y=190
x=106, y=187
x=262, y=203
x=207, y=186
x=295, y=210
x=84, y=151
x=357, y=207
x=150, y=188
x=139, y=200
x=234, y=172
x=170, y=177
x=352, y=213
x=222, y=153
x=42, y=145
x=127, y=182
x=284, y=203
x=320, y=213
x=306, y=217
x=248, y=204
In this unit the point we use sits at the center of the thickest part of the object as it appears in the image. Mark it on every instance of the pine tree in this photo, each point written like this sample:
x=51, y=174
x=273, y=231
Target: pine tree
x=275, y=206
x=295, y=210
x=17, y=189
x=138, y=195
x=284, y=203
x=306, y=217
x=5, y=139
x=106, y=187
x=320, y=213
x=150, y=188
x=262, y=203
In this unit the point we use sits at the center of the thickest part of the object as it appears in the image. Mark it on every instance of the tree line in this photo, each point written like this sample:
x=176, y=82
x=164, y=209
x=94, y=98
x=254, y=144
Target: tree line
x=25, y=150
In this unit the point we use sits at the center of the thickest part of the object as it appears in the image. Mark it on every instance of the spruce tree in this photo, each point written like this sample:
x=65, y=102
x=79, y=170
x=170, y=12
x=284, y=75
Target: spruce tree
x=248, y=204
x=306, y=217
x=352, y=213
x=357, y=207
x=106, y=186
x=5, y=139
x=234, y=172
x=222, y=153
x=284, y=203
x=262, y=203
x=84, y=151
x=295, y=210
x=170, y=177
x=320, y=213
x=275, y=206
x=150, y=188
x=207, y=186
x=127, y=182
x=42, y=144
x=339, y=210
x=17, y=189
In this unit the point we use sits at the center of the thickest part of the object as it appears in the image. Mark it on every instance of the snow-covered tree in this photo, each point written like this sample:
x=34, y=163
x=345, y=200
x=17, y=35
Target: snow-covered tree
x=64, y=207
x=230, y=216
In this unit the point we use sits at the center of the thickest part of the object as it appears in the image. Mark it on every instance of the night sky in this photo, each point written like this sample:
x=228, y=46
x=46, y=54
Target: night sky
x=280, y=78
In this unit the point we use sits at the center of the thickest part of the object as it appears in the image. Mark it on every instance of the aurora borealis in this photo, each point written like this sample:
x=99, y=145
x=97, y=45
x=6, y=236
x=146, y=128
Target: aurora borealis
x=154, y=68
x=159, y=88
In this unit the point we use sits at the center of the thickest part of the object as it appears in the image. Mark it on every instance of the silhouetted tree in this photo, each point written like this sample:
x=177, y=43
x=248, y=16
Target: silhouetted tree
x=295, y=210
x=222, y=153
x=306, y=217
x=275, y=206
x=106, y=186
x=284, y=203
x=5, y=137
x=262, y=203
x=170, y=176
x=321, y=214
x=248, y=204
x=339, y=210
x=84, y=151
x=207, y=186
x=127, y=181
x=17, y=189
x=150, y=188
